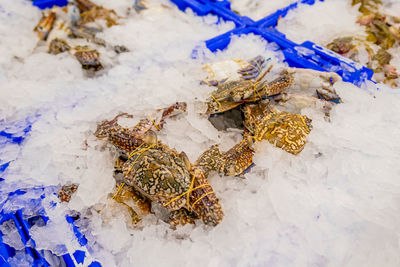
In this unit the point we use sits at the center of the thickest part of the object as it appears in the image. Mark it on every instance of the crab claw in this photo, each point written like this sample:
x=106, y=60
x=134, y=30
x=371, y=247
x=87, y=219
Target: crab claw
x=239, y=158
x=45, y=25
x=203, y=201
x=103, y=128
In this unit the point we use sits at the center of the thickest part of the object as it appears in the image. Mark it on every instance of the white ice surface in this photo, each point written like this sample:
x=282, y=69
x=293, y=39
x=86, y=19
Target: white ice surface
x=321, y=22
x=335, y=204
x=256, y=9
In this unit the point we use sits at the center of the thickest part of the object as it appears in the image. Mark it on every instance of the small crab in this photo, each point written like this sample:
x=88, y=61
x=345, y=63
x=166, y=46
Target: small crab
x=45, y=25
x=232, y=93
x=120, y=49
x=90, y=12
x=58, y=46
x=89, y=59
x=342, y=45
x=282, y=129
x=66, y=192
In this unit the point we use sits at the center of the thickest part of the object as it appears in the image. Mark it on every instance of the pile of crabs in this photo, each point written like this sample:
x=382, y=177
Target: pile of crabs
x=73, y=29
x=382, y=34
x=148, y=172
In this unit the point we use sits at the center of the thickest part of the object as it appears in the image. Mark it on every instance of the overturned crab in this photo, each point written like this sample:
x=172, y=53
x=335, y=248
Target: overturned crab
x=154, y=172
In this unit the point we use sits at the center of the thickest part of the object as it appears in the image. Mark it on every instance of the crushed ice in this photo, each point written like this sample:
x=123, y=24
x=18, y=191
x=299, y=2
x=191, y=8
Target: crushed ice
x=336, y=203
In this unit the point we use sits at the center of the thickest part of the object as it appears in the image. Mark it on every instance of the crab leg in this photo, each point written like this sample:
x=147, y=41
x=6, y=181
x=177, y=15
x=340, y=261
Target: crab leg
x=276, y=86
x=202, y=201
x=231, y=163
x=85, y=5
x=181, y=217
x=126, y=193
x=253, y=69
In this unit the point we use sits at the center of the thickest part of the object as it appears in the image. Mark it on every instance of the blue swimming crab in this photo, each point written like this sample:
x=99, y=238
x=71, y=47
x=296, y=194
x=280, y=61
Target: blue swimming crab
x=250, y=86
x=153, y=172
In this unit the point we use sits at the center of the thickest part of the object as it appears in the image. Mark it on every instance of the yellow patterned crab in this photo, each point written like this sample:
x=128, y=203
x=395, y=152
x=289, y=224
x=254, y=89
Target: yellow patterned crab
x=282, y=129
x=153, y=172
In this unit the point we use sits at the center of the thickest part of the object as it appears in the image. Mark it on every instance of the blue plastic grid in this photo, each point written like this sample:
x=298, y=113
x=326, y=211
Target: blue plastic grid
x=23, y=218
x=42, y=4
x=306, y=55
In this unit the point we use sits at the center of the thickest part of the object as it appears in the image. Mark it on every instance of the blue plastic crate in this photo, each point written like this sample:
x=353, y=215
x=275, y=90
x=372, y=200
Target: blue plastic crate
x=221, y=9
x=42, y=4
x=305, y=55
x=23, y=224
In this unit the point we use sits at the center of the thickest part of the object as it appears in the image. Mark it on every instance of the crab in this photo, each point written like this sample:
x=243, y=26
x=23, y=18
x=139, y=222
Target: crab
x=153, y=172
x=58, y=46
x=88, y=58
x=283, y=129
x=126, y=139
x=162, y=175
x=251, y=87
x=90, y=12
